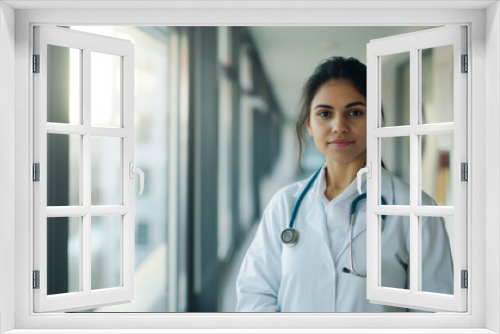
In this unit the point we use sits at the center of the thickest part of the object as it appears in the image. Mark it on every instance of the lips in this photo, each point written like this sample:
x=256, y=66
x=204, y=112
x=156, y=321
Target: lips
x=341, y=142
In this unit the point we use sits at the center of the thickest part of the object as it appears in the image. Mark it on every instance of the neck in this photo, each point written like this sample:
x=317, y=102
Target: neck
x=340, y=175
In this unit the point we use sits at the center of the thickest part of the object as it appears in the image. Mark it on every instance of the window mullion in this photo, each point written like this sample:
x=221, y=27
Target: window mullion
x=422, y=210
x=414, y=170
x=85, y=273
x=86, y=175
x=128, y=195
x=418, y=165
x=71, y=129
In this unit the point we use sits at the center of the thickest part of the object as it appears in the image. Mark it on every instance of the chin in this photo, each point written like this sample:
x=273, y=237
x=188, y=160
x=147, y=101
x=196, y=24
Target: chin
x=343, y=159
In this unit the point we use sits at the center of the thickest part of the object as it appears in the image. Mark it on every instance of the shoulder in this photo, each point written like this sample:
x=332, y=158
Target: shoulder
x=290, y=192
x=281, y=205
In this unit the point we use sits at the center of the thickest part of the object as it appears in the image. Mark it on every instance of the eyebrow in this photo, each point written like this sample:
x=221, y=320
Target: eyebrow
x=352, y=104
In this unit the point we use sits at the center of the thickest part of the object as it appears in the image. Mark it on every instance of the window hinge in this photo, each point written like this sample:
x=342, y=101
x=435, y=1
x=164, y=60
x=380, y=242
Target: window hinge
x=465, y=64
x=465, y=171
x=36, y=172
x=36, y=279
x=36, y=63
x=465, y=279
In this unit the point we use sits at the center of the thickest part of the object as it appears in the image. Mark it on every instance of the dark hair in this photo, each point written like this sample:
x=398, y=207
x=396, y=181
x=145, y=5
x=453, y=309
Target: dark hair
x=331, y=68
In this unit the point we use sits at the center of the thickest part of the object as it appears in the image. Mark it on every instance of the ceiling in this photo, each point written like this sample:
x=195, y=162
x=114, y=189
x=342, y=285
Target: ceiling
x=290, y=54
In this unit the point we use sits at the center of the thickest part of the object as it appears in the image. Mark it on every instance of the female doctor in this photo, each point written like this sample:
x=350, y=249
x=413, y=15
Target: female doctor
x=310, y=269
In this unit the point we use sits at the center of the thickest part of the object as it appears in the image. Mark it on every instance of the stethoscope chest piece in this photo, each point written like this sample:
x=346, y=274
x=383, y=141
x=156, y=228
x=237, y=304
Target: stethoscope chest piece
x=290, y=236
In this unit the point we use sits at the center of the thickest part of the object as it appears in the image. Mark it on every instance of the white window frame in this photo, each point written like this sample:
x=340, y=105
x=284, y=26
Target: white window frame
x=87, y=43
x=413, y=43
x=483, y=101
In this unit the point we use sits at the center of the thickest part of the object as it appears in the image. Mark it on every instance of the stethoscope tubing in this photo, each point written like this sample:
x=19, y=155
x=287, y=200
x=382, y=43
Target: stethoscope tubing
x=301, y=197
x=290, y=235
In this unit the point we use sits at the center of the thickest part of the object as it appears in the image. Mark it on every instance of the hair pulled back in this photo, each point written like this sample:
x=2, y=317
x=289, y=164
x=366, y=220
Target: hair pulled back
x=331, y=68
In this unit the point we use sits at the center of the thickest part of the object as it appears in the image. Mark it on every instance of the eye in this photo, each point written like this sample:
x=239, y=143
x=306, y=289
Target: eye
x=324, y=113
x=355, y=113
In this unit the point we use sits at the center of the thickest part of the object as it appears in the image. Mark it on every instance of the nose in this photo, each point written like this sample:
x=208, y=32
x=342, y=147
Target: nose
x=340, y=125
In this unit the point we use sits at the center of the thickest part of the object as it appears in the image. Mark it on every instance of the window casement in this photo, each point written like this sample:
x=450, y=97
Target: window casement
x=83, y=137
x=414, y=130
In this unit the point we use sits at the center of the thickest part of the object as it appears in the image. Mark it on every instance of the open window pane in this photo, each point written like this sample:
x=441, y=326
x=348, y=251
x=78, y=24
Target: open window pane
x=105, y=90
x=67, y=154
x=63, y=169
x=64, y=83
x=437, y=171
x=436, y=146
x=395, y=252
x=106, y=171
x=106, y=251
x=437, y=254
x=396, y=159
x=63, y=255
x=395, y=89
x=437, y=84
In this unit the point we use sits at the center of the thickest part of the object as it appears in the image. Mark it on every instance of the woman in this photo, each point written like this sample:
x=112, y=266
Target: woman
x=315, y=274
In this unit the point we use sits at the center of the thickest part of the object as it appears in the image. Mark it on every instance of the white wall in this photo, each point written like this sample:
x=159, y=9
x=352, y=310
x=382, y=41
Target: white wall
x=492, y=165
x=7, y=158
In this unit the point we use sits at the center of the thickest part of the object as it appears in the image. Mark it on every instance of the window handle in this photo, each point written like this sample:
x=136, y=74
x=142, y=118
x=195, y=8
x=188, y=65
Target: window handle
x=368, y=171
x=134, y=170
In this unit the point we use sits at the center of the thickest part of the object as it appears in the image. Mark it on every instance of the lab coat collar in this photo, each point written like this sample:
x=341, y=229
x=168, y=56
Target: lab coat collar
x=316, y=216
x=349, y=192
x=320, y=185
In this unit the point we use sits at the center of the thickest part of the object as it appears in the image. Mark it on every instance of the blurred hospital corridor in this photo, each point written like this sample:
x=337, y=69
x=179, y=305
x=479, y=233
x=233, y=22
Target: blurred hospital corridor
x=214, y=115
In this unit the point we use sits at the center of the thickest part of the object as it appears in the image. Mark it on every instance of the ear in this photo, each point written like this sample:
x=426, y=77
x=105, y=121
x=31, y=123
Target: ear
x=308, y=124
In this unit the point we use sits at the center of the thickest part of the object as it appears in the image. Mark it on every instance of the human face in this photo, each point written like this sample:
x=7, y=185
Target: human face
x=337, y=122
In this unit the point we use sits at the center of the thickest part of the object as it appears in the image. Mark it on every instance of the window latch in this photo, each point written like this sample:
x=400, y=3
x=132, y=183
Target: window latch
x=368, y=171
x=139, y=171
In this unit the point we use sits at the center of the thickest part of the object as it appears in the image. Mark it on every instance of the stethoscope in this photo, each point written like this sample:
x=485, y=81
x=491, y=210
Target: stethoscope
x=290, y=236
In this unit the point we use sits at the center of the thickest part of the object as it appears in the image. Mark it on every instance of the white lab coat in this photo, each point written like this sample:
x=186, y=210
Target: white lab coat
x=306, y=278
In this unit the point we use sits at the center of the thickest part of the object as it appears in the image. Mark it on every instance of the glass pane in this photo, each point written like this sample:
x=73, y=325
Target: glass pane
x=395, y=82
x=395, y=252
x=105, y=92
x=106, y=171
x=63, y=169
x=106, y=251
x=437, y=172
x=437, y=254
x=64, y=84
x=63, y=255
x=437, y=84
x=396, y=159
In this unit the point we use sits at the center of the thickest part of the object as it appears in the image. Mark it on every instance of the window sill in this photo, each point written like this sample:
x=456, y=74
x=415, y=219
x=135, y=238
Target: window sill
x=248, y=331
